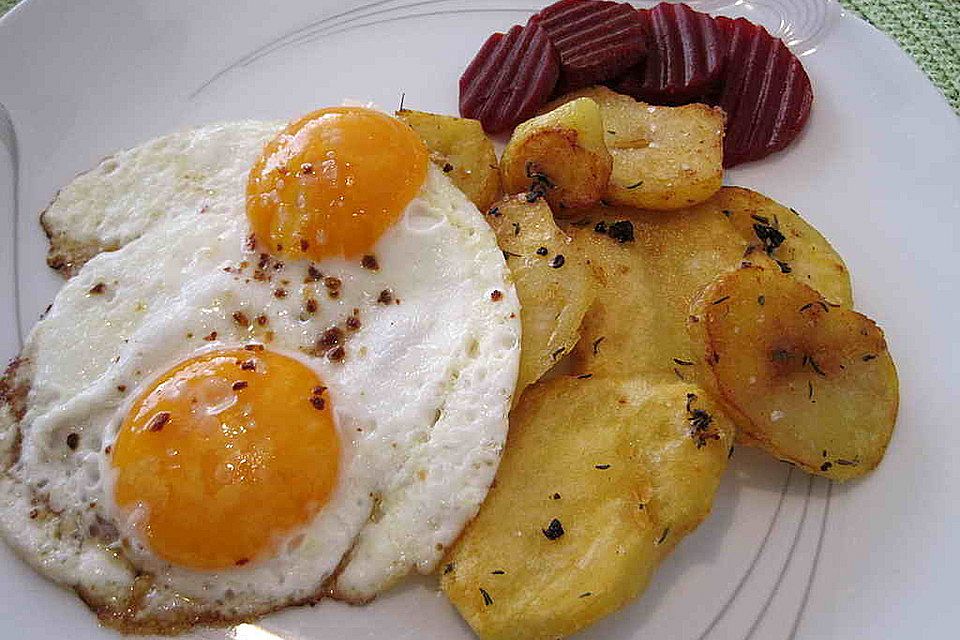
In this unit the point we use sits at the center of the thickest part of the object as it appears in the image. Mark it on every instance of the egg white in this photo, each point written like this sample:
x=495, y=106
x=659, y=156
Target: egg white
x=420, y=399
x=182, y=173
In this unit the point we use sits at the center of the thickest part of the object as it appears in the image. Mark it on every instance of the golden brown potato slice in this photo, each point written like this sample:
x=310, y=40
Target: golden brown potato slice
x=663, y=157
x=554, y=283
x=464, y=152
x=600, y=479
x=815, y=381
x=650, y=265
x=782, y=234
x=563, y=151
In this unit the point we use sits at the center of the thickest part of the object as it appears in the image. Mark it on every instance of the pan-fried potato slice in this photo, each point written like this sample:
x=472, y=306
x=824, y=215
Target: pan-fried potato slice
x=464, y=152
x=600, y=479
x=815, y=381
x=554, y=283
x=650, y=265
x=663, y=157
x=782, y=234
x=564, y=150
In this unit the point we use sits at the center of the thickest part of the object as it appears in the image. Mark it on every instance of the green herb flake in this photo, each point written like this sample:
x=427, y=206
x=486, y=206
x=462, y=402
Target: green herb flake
x=700, y=423
x=816, y=367
x=596, y=344
x=768, y=235
x=663, y=536
x=540, y=183
x=487, y=600
x=809, y=305
x=621, y=231
x=780, y=355
x=554, y=530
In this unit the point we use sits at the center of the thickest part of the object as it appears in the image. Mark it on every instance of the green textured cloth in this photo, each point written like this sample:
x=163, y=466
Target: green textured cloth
x=929, y=30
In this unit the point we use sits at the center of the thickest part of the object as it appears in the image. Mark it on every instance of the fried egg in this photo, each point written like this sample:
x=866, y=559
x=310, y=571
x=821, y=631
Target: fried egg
x=290, y=382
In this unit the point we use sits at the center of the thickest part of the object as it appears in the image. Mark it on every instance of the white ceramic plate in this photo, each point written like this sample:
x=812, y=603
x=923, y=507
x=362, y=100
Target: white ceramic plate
x=784, y=555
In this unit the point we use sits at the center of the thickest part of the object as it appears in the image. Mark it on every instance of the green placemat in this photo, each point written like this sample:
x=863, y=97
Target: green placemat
x=929, y=30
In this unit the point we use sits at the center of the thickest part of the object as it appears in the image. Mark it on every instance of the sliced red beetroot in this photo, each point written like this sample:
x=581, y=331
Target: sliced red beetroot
x=596, y=40
x=764, y=91
x=511, y=77
x=684, y=56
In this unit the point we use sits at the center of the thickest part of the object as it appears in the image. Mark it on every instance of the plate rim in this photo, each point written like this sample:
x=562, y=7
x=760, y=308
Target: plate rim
x=20, y=12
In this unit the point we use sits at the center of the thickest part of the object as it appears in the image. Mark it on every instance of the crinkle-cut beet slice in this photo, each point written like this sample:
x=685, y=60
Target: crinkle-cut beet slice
x=596, y=40
x=511, y=77
x=764, y=91
x=631, y=84
x=684, y=56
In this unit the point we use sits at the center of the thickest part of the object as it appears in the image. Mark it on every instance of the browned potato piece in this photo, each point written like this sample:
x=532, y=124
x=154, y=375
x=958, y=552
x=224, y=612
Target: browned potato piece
x=554, y=283
x=782, y=234
x=663, y=157
x=651, y=266
x=563, y=150
x=464, y=152
x=600, y=479
x=815, y=381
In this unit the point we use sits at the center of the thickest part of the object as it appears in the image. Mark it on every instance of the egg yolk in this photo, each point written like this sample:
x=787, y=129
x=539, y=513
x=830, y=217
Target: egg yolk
x=225, y=456
x=332, y=182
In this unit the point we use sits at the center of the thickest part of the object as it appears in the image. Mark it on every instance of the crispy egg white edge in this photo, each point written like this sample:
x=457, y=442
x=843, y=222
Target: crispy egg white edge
x=185, y=172
x=425, y=560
